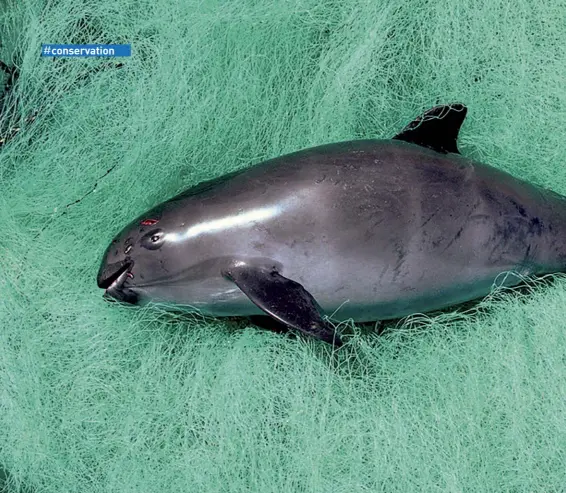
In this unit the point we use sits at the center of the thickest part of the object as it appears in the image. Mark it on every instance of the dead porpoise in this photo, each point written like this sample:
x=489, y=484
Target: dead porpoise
x=366, y=230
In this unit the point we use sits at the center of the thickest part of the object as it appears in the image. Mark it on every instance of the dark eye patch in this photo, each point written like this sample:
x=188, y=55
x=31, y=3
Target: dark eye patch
x=153, y=240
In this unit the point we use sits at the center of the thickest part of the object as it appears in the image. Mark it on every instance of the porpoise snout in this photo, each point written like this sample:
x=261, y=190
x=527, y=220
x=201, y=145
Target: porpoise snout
x=111, y=278
x=109, y=273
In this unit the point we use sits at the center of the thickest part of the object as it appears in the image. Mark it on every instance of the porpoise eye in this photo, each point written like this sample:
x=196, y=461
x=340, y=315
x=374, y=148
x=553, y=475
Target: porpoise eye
x=153, y=240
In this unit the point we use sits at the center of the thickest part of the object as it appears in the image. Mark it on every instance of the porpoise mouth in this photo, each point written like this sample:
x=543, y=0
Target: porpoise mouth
x=112, y=277
x=110, y=274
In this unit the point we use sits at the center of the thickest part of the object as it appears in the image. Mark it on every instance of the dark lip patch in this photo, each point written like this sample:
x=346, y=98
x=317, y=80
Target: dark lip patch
x=111, y=279
x=118, y=290
x=121, y=294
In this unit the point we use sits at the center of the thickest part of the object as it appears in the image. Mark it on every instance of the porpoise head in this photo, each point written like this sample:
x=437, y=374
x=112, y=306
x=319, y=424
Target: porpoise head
x=171, y=254
x=133, y=258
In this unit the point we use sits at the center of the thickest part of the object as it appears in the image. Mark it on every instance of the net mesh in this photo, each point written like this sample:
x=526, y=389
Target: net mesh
x=98, y=398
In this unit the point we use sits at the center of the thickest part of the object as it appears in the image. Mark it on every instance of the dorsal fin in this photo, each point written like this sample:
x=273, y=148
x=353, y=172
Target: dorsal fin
x=437, y=128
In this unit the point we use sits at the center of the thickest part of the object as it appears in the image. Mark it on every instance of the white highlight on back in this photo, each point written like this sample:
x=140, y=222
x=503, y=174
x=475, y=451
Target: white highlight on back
x=244, y=219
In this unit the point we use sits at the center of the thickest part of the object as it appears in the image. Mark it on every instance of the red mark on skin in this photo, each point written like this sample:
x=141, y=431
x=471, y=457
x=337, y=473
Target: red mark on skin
x=149, y=222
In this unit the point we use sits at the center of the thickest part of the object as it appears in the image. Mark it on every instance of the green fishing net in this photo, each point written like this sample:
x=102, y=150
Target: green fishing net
x=100, y=398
